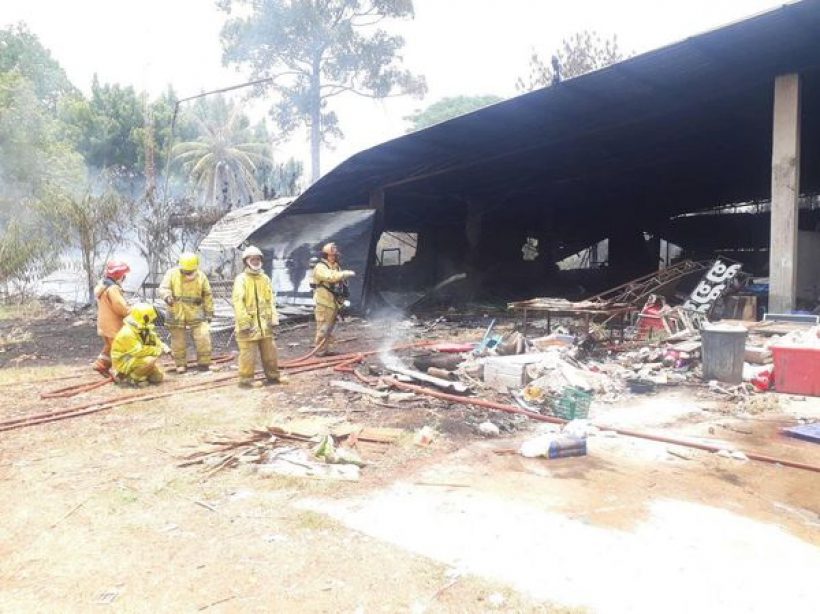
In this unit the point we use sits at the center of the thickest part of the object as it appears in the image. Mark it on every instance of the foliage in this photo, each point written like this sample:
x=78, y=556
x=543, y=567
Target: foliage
x=25, y=255
x=448, y=108
x=221, y=163
x=21, y=52
x=93, y=223
x=107, y=129
x=32, y=154
x=280, y=179
x=579, y=54
x=315, y=50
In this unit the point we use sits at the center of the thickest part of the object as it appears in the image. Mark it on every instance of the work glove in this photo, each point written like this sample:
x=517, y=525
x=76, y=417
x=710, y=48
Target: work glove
x=169, y=300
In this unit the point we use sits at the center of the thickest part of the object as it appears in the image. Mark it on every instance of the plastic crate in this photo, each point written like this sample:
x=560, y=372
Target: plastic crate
x=574, y=403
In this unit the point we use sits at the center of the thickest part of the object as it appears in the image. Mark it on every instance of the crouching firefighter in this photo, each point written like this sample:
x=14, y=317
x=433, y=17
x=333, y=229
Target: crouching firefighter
x=111, y=311
x=137, y=347
x=330, y=292
x=187, y=292
x=254, y=304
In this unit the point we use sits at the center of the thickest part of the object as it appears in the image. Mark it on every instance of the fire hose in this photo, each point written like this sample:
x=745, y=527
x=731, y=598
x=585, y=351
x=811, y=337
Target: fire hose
x=74, y=390
x=301, y=364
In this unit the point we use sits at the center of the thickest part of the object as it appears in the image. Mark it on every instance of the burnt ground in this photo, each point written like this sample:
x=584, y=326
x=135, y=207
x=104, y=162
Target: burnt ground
x=96, y=510
x=32, y=335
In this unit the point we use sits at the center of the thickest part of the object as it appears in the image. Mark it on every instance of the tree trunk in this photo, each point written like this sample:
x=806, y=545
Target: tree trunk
x=88, y=265
x=315, y=120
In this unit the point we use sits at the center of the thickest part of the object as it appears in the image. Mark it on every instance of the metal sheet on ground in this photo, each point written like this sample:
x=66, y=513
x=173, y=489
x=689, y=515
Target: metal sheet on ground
x=806, y=432
x=289, y=242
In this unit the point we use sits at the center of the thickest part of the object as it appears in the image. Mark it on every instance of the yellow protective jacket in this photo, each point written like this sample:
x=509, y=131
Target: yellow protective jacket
x=193, y=301
x=254, y=304
x=111, y=308
x=325, y=275
x=133, y=343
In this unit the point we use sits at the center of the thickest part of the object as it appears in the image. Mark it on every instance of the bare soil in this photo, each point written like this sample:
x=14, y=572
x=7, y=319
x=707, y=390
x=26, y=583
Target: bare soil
x=96, y=510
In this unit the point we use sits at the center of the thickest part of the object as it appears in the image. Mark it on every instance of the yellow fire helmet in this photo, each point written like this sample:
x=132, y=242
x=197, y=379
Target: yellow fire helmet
x=189, y=261
x=143, y=314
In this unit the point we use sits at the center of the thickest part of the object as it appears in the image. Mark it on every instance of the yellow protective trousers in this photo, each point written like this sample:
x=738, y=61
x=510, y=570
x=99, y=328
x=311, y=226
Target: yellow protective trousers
x=247, y=357
x=201, y=334
x=141, y=369
x=325, y=323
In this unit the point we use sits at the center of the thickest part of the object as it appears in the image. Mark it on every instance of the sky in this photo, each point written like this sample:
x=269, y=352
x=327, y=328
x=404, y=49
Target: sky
x=462, y=47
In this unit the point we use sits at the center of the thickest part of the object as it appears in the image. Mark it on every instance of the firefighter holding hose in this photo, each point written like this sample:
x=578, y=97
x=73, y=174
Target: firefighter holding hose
x=330, y=293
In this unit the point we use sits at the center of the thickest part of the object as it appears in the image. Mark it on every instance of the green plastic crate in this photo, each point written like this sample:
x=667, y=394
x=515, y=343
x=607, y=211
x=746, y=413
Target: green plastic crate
x=574, y=403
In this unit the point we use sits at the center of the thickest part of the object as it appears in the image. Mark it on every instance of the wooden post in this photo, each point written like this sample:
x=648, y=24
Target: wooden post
x=785, y=193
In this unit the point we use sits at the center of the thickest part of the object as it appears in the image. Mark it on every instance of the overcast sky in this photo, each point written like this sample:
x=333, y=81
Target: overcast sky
x=461, y=46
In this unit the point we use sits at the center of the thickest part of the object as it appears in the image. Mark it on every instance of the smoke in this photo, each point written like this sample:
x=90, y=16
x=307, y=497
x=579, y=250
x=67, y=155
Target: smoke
x=398, y=328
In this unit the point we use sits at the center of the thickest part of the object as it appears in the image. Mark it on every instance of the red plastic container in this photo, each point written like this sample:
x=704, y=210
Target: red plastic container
x=797, y=370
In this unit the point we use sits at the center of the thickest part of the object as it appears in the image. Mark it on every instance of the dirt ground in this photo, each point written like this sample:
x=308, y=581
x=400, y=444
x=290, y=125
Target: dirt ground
x=96, y=512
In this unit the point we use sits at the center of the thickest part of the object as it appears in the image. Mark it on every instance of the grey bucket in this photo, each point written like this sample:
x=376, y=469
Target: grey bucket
x=723, y=350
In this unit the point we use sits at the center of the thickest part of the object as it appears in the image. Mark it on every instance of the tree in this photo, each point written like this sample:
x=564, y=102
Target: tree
x=93, y=223
x=26, y=255
x=222, y=163
x=33, y=154
x=579, y=54
x=32, y=151
x=448, y=108
x=314, y=50
x=23, y=53
x=107, y=129
x=280, y=179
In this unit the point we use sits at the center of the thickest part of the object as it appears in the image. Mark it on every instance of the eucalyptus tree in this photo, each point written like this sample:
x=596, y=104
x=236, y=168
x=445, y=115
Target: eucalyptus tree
x=314, y=50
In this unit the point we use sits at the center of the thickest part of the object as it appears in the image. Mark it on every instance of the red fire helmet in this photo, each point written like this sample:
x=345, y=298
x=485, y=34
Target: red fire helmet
x=116, y=269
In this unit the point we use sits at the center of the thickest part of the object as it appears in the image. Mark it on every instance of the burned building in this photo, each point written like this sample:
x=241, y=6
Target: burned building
x=632, y=155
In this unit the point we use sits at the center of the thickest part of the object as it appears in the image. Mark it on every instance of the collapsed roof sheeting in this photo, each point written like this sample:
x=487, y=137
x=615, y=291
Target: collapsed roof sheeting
x=678, y=129
x=237, y=225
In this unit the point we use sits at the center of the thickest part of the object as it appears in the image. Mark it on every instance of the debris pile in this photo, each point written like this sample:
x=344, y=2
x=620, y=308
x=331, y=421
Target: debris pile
x=307, y=450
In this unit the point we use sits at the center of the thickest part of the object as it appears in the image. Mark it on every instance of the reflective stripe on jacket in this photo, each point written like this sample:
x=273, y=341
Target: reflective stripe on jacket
x=193, y=301
x=325, y=274
x=254, y=304
x=133, y=342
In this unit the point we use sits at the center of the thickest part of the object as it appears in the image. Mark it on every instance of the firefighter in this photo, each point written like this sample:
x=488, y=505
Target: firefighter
x=329, y=295
x=254, y=303
x=111, y=311
x=187, y=291
x=137, y=347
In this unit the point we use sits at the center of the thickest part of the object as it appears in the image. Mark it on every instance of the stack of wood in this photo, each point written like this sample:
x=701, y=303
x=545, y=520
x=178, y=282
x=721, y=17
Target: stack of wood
x=254, y=446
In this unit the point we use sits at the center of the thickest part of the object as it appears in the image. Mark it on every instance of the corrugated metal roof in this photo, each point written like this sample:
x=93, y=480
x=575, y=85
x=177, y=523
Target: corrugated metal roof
x=233, y=229
x=686, y=126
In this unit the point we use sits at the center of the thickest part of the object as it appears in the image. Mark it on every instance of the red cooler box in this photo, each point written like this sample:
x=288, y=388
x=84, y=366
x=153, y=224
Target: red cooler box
x=797, y=370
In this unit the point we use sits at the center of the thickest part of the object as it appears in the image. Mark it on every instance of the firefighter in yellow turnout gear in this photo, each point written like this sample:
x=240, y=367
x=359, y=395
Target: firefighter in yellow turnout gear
x=187, y=292
x=327, y=296
x=137, y=347
x=254, y=303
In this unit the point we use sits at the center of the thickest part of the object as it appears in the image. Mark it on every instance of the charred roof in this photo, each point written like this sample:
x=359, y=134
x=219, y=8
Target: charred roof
x=678, y=129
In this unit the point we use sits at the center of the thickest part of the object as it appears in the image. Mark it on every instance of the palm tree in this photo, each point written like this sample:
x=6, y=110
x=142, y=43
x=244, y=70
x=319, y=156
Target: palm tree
x=221, y=166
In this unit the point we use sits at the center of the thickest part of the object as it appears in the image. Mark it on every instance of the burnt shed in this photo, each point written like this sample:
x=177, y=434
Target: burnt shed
x=626, y=154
